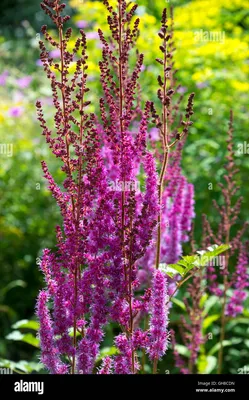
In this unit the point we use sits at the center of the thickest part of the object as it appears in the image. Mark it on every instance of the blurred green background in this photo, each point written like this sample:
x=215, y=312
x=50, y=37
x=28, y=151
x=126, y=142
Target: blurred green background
x=217, y=71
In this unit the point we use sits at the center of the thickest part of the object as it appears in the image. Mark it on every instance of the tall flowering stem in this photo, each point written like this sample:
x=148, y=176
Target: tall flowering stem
x=127, y=153
x=229, y=213
x=73, y=272
x=165, y=121
x=191, y=329
x=159, y=318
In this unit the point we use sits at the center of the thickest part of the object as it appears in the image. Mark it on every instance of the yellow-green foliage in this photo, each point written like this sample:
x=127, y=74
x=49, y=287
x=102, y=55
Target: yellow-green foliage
x=221, y=62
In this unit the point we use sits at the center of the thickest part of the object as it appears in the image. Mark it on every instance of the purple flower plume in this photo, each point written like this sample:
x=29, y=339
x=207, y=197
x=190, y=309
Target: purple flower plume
x=106, y=368
x=159, y=335
x=241, y=281
x=50, y=353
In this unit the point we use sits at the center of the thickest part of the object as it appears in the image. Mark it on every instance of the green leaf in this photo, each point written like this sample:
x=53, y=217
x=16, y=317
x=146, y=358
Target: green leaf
x=210, y=302
x=237, y=321
x=226, y=343
x=29, y=367
x=182, y=350
x=25, y=323
x=187, y=260
x=203, y=300
x=187, y=263
x=208, y=256
x=206, y=364
x=15, y=335
x=107, y=351
x=71, y=333
x=26, y=338
x=14, y=284
x=179, y=303
x=7, y=310
x=21, y=366
x=171, y=270
x=32, y=340
x=209, y=320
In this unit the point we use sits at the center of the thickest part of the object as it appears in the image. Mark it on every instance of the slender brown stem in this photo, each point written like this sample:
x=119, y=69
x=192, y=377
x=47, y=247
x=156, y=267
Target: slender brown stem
x=130, y=295
x=160, y=192
x=74, y=325
x=121, y=89
x=165, y=159
x=179, y=284
x=121, y=98
x=190, y=366
x=146, y=323
x=64, y=113
x=155, y=366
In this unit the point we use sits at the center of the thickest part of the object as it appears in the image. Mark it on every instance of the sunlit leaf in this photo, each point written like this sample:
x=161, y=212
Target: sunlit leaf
x=25, y=323
x=209, y=320
x=206, y=364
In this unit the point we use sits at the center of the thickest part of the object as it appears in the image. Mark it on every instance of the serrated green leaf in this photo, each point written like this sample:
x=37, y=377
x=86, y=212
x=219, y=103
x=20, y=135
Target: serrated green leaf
x=187, y=263
x=177, y=268
x=213, y=251
x=183, y=264
x=189, y=259
x=171, y=270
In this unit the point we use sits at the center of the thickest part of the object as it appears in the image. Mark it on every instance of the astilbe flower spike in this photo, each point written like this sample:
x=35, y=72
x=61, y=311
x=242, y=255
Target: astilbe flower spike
x=158, y=335
x=190, y=329
x=106, y=366
x=136, y=210
x=164, y=122
x=240, y=280
x=175, y=194
x=50, y=353
x=74, y=291
x=229, y=213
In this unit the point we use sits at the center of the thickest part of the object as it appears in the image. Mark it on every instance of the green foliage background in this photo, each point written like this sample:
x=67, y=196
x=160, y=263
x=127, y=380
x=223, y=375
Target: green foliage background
x=217, y=71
